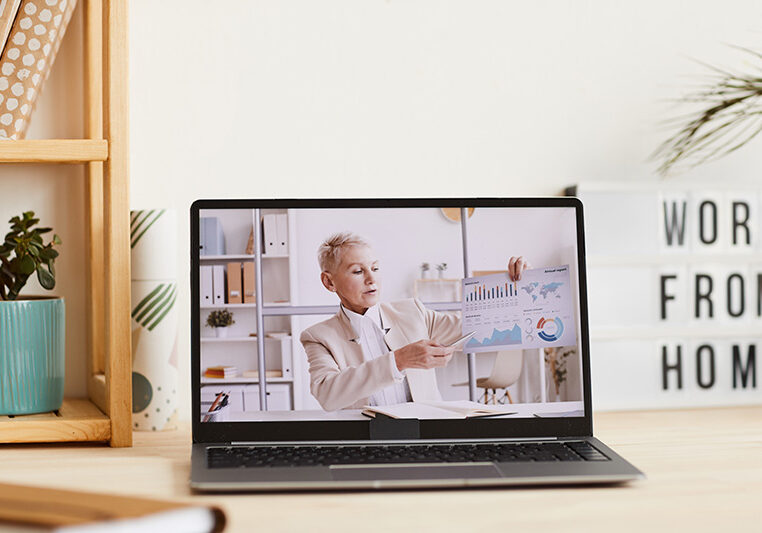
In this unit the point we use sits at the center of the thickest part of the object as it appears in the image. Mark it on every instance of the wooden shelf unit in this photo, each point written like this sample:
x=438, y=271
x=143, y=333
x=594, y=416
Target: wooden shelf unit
x=107, y=414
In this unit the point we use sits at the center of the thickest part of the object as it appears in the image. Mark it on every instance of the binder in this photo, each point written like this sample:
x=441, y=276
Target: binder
x=218, y=284
x=249, y=283
x=281, y=225
x=214, y=238
x=269, y=234
x=201, y=237
x=285, y=356
x=207, y=293
x=234, y=283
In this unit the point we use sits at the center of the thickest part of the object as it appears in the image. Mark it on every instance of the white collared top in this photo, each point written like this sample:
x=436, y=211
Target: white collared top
x=370, y=332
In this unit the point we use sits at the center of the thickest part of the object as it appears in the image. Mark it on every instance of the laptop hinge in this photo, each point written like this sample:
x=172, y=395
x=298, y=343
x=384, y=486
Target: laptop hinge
x=383, y=428
x=384, y=442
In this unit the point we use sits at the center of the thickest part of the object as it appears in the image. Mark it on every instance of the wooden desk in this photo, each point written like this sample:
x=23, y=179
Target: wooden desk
x=704, y=471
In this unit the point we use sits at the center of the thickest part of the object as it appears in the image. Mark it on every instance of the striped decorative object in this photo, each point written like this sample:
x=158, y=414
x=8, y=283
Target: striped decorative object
x=141, y=222
x=153, y=241
x=154, y=307
x=32, y=355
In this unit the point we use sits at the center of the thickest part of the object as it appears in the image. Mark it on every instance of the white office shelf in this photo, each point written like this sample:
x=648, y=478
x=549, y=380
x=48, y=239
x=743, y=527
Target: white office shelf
x=278, y=271
x=241, y=380
x=240, y=257
x=241, y=339
x=245, y=306
x=226, y=257
x=228, y=339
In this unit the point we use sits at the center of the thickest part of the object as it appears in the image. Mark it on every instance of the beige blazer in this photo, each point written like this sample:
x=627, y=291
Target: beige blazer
x=339, y=376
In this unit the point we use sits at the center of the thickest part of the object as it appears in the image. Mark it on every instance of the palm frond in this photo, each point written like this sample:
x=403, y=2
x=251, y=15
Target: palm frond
x=730, y=117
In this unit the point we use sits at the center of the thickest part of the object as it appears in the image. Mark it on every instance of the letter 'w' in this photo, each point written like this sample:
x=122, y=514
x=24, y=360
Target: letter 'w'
x=674, y=222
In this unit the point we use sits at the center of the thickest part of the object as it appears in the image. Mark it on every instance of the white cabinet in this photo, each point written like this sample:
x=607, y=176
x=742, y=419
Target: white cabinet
x=278, y=397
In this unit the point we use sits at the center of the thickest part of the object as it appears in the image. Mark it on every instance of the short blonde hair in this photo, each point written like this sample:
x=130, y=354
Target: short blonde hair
x=329, y=253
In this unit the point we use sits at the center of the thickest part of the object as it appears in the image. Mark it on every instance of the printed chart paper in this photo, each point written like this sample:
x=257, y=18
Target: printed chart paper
x=536, y=312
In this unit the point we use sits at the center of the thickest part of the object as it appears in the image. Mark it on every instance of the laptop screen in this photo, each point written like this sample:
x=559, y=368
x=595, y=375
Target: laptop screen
x=314, y=312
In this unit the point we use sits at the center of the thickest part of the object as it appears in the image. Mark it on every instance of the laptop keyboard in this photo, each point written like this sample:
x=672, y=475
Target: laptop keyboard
x=269, y=456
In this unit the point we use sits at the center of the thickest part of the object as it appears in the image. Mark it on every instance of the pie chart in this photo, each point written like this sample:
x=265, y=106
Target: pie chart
x=550, y=330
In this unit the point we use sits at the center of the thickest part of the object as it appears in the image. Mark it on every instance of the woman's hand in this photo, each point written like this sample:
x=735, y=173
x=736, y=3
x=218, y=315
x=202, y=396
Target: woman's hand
x=517, y=265
x=423, y=354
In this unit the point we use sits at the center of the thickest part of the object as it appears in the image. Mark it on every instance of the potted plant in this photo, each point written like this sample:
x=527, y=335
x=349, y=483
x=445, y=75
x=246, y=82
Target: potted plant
x=556, y=359
x=220, y=319
x=32, y=337
x=441, y=267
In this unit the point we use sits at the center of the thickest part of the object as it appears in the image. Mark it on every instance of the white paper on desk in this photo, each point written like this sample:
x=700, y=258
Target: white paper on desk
x=469, y=408
x=438, y=410
x=420, y=411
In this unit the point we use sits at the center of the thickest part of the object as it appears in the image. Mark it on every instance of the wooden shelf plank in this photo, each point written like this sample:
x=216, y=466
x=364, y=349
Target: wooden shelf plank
x=54, y=151
x=77, y=421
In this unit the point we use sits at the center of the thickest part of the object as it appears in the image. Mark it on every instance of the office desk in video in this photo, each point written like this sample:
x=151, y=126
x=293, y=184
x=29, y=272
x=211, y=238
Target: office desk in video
x=516, y=411
x=704, y=469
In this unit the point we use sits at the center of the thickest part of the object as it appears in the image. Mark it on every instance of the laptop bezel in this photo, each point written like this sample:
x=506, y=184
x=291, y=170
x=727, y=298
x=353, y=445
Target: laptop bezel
x=215, y=432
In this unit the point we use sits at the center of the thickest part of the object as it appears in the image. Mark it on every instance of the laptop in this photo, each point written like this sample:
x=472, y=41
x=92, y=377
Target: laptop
x=392, y=343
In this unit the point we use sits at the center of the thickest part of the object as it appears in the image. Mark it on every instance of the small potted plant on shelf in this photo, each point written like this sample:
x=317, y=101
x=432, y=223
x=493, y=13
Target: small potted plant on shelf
x=441, y=267
x=425, y=267
x=220, y=319
x=32, y=339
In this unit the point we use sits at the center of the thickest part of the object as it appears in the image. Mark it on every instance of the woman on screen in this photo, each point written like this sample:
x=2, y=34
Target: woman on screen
x=373, y=353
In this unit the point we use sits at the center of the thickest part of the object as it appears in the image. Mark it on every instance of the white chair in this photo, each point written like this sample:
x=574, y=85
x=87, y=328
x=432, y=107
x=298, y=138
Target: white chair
x=505, y=372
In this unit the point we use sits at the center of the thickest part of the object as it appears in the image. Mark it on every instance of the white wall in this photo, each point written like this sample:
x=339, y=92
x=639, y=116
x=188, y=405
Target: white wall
x=341, y=98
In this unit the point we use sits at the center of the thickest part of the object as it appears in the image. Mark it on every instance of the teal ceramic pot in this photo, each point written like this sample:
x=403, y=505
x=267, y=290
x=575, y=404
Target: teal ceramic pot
x=32, y=349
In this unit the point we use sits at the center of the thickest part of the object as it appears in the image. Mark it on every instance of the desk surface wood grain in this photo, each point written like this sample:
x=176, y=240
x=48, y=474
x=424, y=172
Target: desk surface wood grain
x=704, y=471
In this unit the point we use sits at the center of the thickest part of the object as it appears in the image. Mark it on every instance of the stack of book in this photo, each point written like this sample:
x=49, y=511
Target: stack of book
x=31, y=32
x=221, y=372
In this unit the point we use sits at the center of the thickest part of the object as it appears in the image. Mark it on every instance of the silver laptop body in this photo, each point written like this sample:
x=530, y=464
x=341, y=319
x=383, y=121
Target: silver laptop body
x=567, y=422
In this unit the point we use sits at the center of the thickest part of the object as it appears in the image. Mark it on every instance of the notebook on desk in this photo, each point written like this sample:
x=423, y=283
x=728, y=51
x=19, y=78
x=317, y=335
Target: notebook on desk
x=365, y=386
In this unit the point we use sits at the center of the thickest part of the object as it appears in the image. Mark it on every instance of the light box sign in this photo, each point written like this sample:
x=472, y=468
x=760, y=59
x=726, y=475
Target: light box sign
x=675, y=295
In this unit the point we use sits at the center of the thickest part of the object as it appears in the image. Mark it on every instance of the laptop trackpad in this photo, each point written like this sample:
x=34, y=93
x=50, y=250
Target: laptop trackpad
x=388, y=472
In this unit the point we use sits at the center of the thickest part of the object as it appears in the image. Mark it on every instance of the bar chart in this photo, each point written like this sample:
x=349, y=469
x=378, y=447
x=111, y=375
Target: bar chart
x=536, y=311
x=483, y=293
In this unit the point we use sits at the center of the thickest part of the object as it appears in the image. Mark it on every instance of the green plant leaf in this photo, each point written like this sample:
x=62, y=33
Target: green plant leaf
x=46, y=278
x=48, y=253
x=26, y=265
x=40, y=231
x=56, y=240
x=51, y=267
